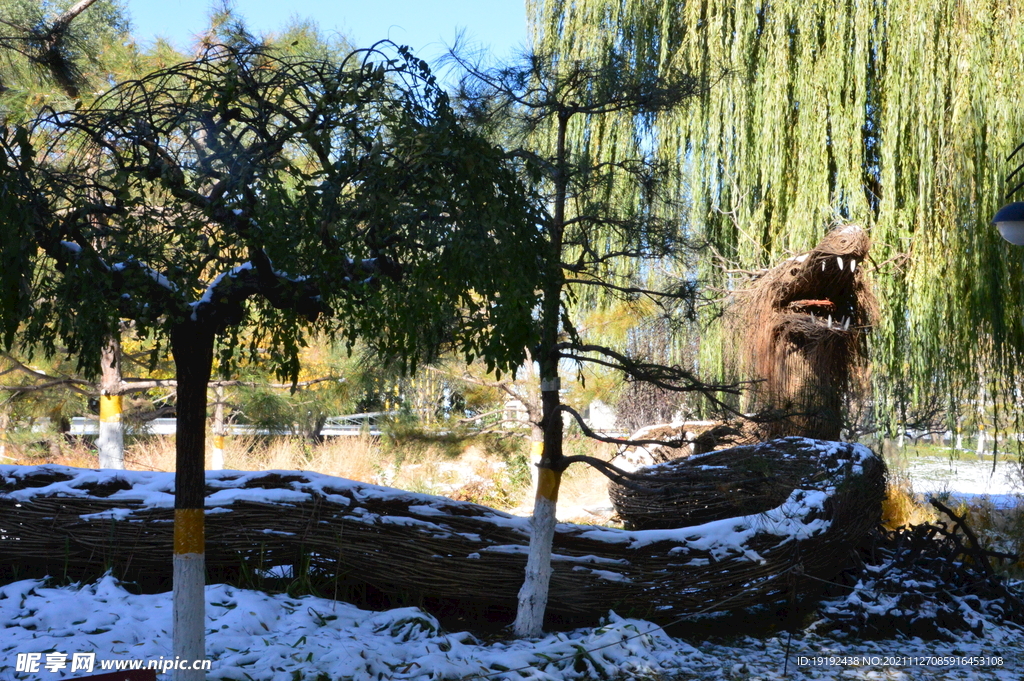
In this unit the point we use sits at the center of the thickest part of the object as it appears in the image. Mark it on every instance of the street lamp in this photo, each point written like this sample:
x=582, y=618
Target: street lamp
x=1010, y=222
x=1010, y=218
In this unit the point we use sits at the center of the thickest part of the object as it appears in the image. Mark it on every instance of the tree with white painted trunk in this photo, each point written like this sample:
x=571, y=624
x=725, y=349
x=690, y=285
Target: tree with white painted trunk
x=607, y=225
x=110, y=442
x=281, y=195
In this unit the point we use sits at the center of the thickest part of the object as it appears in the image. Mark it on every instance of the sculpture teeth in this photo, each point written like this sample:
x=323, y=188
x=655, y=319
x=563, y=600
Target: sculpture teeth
x=830, y=321
x=846, y=324
x=839, y=261
x=853, y=265
x=822, y=265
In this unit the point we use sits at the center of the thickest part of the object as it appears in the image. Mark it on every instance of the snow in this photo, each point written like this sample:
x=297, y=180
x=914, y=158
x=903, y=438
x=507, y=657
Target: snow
x=156, y=490
x=968, y=478
x=262, y=637
x=159, y=278
x=728, y=537
x=207, y=296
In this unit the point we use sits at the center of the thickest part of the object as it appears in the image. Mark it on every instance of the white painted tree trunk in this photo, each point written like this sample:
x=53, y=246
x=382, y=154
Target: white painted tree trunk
x=981, y=444
x=533, y=596
x=189, y=634
x=189, y=613
x=4, y=420
x=110, y=442
x=219, y=431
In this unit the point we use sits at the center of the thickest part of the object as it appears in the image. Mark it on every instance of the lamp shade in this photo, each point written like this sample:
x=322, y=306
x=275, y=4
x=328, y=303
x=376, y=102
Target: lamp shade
x=1010, y=222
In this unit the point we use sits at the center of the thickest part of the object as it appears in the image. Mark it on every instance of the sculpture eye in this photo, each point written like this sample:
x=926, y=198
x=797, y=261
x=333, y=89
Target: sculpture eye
x=793, y=272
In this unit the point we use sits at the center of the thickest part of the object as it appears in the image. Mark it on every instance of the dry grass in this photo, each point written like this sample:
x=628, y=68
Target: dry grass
x=491, y=471
x=27, y=448
x=583, y=494
x=901, y=506
x=150, y=454
x=998, y=527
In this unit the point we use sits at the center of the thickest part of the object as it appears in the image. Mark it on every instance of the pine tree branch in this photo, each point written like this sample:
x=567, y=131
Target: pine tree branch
x=61, y=23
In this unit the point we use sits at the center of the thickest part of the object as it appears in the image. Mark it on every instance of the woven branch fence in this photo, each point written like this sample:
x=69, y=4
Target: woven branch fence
x=750, y=479
x=401, y=542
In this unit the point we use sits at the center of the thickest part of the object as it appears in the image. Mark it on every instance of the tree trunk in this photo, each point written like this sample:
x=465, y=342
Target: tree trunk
x=192, y=347
x=110, y=442
x=219, y=430
x=5, y=418
x=533, y=596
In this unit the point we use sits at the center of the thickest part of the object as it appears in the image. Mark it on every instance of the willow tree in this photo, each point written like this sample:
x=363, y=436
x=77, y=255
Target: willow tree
x=896, y=115
x=247, y=191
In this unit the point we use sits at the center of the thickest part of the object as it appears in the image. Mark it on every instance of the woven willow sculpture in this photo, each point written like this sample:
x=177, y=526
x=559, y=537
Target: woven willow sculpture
x=802, y=326
x=80, y=522
x=801, y=330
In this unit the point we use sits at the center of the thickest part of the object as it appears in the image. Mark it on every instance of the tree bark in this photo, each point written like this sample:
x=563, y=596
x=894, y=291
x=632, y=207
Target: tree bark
x=533, y=596
x=192, y=347
x=219, y=430
x=110, y=442
x=5, y=417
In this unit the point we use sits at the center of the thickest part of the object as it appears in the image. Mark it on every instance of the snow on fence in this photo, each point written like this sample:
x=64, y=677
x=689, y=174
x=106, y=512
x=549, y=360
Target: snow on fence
x=401, y=542
x=748, y=479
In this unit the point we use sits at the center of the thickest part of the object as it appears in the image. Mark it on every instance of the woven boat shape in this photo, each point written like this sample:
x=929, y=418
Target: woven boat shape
x=410, y=543
x=746, y=479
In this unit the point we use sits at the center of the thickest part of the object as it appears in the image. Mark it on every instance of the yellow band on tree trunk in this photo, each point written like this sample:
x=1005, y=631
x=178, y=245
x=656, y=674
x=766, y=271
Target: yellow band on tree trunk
x=110, y=408
x=547, y=484
x=218, y=442
x=189, y=534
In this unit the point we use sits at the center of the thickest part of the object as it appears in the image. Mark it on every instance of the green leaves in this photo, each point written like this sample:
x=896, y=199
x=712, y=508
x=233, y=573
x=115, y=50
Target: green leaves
x=16, y=270
x=247, y=189
x=896, y=115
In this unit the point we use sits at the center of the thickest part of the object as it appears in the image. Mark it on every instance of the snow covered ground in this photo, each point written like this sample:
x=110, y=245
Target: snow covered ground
x=258, y=637
x=966, y=478
x=251, y=635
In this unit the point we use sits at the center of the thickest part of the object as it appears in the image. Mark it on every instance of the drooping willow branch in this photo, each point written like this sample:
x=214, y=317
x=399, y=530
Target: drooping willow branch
x=858, y=123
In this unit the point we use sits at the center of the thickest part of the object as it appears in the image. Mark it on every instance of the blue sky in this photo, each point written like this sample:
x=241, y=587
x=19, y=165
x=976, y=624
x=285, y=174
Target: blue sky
x=424, y=25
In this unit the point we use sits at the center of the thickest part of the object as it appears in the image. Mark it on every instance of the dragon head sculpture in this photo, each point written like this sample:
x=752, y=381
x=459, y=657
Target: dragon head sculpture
x=800, y=330
x=802, y=325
